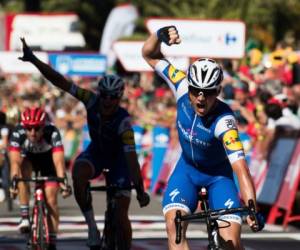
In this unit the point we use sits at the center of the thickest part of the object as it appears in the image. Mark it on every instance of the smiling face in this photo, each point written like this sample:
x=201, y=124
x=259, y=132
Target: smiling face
x=203, y=100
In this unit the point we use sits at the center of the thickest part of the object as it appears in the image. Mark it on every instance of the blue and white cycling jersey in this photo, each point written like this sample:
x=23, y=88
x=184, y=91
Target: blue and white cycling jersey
x=109, y=139
x=202, y=139
x=210, y=144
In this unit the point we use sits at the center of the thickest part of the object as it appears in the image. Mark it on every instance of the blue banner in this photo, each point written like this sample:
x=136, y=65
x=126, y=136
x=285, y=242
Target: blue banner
x=138, y=137
x=278, y=164
x=160, y=143
x=79, y=64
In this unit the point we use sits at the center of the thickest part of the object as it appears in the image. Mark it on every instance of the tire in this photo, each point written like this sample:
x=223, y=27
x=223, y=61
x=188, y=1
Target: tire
x=42, y=228
x=109, y=232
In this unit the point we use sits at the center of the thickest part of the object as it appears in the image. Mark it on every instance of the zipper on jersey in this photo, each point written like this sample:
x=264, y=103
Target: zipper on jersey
x=191, y=138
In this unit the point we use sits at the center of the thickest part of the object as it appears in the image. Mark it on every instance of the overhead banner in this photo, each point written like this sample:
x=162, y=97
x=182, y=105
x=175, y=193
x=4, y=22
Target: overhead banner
x=129, y=54
x=10, y=64
x=79, y=64
x=204, y=38
x=47, y=32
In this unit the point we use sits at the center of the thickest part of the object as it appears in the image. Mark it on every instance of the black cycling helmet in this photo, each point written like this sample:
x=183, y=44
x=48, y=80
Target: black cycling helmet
x=111, y=84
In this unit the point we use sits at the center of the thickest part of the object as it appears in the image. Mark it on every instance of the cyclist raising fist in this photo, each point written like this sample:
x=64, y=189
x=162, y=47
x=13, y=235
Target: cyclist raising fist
x=208, y=135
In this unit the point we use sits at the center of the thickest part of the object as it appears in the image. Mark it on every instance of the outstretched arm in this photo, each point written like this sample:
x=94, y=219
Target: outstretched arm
x=151, y=50
x=49, y=73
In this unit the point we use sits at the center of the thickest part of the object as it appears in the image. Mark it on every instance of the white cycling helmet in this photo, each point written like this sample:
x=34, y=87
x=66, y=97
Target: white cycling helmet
x=111, y=84
x=205, y=73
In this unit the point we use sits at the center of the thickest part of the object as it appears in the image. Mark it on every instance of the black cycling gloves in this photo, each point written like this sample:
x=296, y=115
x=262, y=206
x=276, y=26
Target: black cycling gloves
x=163, y=34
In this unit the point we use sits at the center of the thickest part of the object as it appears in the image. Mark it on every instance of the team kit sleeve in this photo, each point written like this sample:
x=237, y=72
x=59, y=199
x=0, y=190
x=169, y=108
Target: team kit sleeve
x=84, y=95
x=56, y=141
x=127, y=135
x=226, y=131
x=15, y=141
x=173, y=77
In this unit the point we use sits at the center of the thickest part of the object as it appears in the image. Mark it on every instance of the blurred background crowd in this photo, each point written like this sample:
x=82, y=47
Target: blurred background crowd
x=262, y=86
x=263, y=91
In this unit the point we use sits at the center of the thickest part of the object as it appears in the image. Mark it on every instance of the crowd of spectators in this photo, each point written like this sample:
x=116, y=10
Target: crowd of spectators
x=263, y=91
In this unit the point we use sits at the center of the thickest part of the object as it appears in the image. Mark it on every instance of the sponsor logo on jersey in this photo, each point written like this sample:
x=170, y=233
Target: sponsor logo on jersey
x=175, y=75
x=232, y=141
x=128, y=137
x=191, y=136
x=230, y=123
x=203, y=128
x=173, y=194
x=229, y=203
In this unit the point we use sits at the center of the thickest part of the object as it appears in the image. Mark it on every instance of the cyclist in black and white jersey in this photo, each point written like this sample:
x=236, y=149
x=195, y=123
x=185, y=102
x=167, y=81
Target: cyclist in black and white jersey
x=37, y=146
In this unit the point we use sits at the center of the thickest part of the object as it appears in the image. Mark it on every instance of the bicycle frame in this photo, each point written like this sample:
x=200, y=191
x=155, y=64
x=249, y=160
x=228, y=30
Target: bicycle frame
x=39, y=223
x=38, y=237
x=210, y=217
x=110, y=235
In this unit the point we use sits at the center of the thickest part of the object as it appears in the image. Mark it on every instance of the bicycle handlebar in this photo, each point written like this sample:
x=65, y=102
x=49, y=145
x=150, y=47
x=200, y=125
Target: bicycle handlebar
x=37, y=179
x=110, y=188
x=212, y=215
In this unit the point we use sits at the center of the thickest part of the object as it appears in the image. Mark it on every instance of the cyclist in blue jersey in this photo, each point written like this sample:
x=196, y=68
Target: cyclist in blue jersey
x=112, y=146
x=211, y=148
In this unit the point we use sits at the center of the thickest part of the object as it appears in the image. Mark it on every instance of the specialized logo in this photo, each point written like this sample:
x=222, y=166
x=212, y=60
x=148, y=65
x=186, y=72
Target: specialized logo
x=128, y=137
x=232, y=141
x=173, y=194
x=229, y=203
x=175, y=75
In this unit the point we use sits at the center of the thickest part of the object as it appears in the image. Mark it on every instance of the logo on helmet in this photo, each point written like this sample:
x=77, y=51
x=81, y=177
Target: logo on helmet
x=175, y=75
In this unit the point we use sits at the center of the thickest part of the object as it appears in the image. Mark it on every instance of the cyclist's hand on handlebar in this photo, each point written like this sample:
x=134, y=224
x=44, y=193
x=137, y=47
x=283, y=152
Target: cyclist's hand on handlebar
x=65, y=190
x=257, y=223
x=28, y=55
x=13, y=190
x=168, y=35
x=143, y=199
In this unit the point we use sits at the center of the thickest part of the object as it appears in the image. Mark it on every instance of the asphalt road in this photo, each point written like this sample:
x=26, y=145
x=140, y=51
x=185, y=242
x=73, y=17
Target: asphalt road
x=148, y=228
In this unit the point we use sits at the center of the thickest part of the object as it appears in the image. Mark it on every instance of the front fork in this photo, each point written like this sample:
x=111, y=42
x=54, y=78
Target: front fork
x=39, y=209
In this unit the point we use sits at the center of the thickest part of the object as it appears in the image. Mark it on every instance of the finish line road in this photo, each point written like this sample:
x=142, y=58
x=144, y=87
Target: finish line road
x=148, y=229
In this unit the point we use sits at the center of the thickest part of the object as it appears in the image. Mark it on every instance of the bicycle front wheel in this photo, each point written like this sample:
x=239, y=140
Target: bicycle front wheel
x=42, y=228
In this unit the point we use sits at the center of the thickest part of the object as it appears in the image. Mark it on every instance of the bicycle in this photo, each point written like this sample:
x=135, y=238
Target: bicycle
x=38, y=235
x=211, y=217
x=110, y=235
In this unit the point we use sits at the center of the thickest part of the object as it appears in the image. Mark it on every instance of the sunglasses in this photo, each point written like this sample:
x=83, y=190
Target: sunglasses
x=110, y=96
x=206, y=92
x=35, y=128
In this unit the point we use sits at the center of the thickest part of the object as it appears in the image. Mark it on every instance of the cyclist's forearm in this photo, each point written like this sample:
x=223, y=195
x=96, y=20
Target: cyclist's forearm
x=59, y=163
x=247, y=190
x=14, y=170
x=51, y=75
x=15, y=163
x=246, y=184
x=134, y=168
